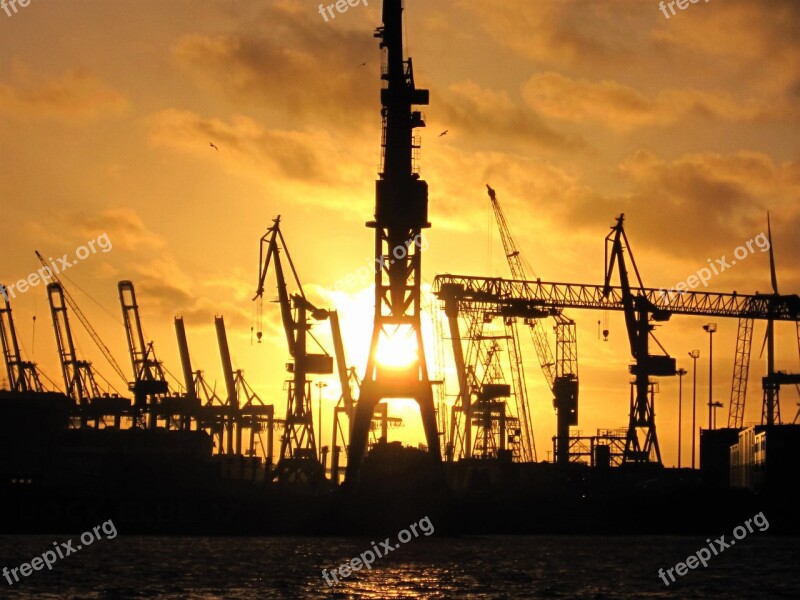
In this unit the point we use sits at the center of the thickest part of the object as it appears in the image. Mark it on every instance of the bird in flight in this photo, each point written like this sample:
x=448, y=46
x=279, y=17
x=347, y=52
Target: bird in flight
x=444, y=132
x=213, y=146
x=364, y=64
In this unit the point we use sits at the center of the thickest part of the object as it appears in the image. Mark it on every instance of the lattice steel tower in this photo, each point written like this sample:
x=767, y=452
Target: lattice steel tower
x=401, y=213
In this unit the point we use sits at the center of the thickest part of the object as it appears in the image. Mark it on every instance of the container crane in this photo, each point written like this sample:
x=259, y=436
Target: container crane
x=69, y=301
x=149, y=381
x=23, y=375
x=212, y=411
x=79, y=375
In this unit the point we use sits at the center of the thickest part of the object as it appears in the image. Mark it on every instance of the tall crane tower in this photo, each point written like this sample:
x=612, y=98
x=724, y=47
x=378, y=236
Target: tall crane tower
x=401, y=213
x=561, y=373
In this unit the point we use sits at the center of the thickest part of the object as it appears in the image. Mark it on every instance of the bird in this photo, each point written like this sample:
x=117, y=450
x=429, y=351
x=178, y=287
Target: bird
x=364, y=64
x=444, y=132
x=213, y=146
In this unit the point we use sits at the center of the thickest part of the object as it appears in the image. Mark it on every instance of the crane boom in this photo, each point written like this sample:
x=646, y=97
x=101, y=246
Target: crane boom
x=522, y=297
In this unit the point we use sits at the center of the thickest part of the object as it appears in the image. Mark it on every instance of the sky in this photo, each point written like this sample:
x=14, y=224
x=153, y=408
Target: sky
x=574, y=111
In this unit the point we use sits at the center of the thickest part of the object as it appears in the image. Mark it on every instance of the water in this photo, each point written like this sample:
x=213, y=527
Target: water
x=485, y=567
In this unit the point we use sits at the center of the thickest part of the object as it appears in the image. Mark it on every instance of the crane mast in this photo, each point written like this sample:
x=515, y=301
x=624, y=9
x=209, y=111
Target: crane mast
x=401, y=213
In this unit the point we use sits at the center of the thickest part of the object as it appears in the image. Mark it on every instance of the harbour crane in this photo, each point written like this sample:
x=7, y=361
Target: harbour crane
x=80, y=383
x=401, y=213
x=76, y=310
x=298, y=460
x=561, y=373
x=496, y=297
x=149, y=381
x=23, y=375
x=641, y=444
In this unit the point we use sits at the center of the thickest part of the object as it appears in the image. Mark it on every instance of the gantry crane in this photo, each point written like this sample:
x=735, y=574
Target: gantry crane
x=561, y=373
x=298, y=457
x=23, y=375
x=495, y=297
x=69, y=301
x=247, y=413
x=149, y=382
x=213, y=410
x=79, y=375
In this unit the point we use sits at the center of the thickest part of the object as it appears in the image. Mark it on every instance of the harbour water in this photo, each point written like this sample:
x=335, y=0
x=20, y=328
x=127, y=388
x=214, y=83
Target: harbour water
x=479, y=567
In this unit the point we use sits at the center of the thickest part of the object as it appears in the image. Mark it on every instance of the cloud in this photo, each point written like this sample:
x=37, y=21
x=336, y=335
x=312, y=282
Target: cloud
x=492, y=115
x=72, y=96
x=242, y=142
x=567, y=32
x=301, y=68
x=623, y=107
x=124, y=227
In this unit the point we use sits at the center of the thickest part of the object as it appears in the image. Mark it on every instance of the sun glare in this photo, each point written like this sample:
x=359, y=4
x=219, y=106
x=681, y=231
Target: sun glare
x=397, y=349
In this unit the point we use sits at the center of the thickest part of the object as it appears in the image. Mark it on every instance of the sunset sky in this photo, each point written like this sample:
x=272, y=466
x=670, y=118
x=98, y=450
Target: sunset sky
x=574, y=111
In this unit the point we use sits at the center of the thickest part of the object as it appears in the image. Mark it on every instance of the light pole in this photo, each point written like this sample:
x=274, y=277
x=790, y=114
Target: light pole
x=716, y=405
x=711, y=328
x=320, y=385
x=681, y=373
x=694, y=354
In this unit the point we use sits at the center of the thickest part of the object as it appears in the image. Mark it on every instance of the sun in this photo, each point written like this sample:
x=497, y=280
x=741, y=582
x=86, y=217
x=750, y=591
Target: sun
x=397, y=348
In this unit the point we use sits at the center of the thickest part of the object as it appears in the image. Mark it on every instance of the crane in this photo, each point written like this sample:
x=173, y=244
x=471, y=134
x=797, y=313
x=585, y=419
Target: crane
x=84, y=321
x=401, y=213
x=561, y=373
x=252, y=416
x=529, y=299
x=23, y=376
x=212, y=412
x=298, y=457
x=639, y=312
x=79, y=375
x=149, y=381
x=771, y=383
